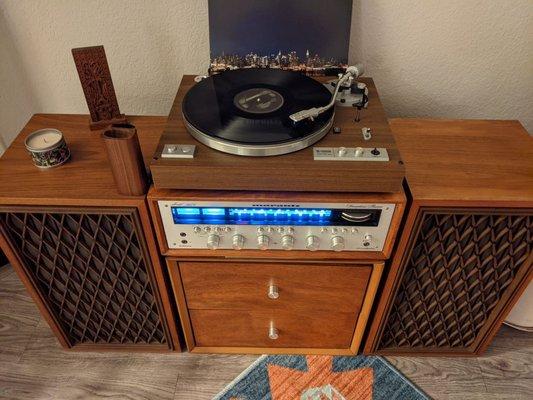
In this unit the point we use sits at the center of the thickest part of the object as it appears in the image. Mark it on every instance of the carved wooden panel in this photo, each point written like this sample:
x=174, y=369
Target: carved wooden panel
x=95, y=77
x=93, y=272
x=458, y=268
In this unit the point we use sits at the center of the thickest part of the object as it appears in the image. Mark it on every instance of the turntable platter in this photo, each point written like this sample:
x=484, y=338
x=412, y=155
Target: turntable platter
x=246, y=111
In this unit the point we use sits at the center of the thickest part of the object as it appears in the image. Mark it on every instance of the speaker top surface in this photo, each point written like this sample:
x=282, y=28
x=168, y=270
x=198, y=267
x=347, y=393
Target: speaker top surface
x=466, y=160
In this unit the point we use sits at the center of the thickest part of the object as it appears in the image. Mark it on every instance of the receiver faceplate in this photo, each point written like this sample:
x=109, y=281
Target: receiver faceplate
x=275, y=225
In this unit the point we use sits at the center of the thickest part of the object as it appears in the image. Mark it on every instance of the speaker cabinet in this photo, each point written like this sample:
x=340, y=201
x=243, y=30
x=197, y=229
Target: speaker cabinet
x=91, y=274
x=3, y=259
x=456, y=273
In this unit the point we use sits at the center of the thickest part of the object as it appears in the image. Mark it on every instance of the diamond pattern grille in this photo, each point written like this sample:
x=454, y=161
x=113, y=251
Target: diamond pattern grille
x=458, y=270
x=92, y=272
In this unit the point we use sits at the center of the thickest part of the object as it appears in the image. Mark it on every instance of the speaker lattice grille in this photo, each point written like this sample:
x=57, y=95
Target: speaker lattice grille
x=92, y=272
x=459, y=268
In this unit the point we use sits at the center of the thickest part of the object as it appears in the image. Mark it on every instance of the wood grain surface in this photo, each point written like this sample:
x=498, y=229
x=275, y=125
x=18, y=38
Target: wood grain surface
x=245, y=313
x=124, y=155
x=242, y=286
x=37, y=368
x=249, y=328
x=212, y=169
x=457, y=161
x=83, y=180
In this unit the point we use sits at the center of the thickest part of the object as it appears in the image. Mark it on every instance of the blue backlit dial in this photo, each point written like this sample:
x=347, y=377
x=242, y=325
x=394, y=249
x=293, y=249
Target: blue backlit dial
x=269, y=216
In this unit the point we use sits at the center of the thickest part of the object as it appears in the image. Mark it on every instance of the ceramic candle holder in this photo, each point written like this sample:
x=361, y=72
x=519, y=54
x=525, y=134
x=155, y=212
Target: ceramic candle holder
x=47, y=148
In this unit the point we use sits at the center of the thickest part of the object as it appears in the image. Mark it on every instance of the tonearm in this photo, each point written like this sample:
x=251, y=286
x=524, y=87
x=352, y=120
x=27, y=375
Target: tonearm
x=351, y=72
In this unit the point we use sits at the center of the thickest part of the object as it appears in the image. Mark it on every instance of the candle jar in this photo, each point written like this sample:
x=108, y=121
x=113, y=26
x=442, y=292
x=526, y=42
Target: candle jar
x=47, y=148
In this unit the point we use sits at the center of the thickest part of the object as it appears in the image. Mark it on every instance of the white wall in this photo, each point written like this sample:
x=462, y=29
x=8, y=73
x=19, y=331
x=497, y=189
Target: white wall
x=16, y=100
x=454, y=58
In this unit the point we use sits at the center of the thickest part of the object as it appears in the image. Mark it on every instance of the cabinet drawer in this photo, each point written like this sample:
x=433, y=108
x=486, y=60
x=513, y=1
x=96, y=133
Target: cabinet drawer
x=246, y=286
x=240, y=328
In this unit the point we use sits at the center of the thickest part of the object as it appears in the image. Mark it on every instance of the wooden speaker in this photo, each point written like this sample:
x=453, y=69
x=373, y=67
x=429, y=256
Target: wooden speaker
x=91, y=274
x=456, y=273
x=3, y=259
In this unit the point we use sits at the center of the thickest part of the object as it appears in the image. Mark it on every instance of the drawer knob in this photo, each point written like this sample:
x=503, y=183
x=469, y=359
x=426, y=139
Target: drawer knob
x=273, y=333
x=273, y=292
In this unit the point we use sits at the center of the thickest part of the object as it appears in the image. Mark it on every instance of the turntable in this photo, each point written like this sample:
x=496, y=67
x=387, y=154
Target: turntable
x=247, y=112
x=270, y=129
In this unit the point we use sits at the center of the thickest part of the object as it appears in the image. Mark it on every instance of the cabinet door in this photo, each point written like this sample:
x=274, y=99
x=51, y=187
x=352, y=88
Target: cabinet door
x=458, y=273
x=90, y=272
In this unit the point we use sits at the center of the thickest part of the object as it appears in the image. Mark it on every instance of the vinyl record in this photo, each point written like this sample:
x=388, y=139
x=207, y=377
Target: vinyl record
x=247, y=111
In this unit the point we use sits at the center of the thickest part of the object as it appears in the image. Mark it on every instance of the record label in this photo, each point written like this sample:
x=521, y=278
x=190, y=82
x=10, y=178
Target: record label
x=258, y=100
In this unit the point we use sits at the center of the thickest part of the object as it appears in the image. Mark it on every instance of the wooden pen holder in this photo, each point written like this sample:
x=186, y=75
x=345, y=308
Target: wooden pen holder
x=125, y=157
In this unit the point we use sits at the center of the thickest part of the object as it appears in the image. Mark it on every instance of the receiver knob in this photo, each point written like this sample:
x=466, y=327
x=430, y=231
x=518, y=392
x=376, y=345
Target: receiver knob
x=262, y=242
x=337, y=243
x=213, y=241
x=287, y=242
x=312, y=243
x=238, y=242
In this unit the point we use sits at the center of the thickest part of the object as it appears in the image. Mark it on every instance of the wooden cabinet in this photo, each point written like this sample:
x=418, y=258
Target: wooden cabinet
x=255, y=307
x=86, y=254
x=89, y=257
x=466, y=249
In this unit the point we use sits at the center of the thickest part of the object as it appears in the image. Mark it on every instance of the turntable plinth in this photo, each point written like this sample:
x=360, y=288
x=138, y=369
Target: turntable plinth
x=214, y=170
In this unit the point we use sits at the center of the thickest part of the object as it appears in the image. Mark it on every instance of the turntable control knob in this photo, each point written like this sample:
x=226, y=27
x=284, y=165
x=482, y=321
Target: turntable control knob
x=287, y=242
x=312, y=243
x=337, y=243
x=342, y=151
x=359, y=151
x=262, y=242
x=238, y=242
x=213, y=241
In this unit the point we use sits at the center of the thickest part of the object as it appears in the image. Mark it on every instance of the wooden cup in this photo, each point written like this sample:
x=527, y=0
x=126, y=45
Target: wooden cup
x=125, y=157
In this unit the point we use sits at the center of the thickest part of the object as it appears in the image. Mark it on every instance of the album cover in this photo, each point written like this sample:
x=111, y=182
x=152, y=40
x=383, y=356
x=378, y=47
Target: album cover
x=310, y=36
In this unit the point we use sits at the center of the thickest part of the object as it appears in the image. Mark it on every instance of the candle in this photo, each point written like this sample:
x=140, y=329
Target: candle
x=47, y=148
x=43, y=139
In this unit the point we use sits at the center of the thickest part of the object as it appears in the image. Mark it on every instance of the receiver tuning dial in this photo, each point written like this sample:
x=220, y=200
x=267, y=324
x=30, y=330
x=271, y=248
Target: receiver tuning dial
x=312, y=243
x=337, y=243
x=238, y=242
x=213, y=241
x=287, y=242
x=263, y=242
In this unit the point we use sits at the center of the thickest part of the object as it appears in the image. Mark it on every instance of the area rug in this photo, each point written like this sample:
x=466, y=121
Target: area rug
x=321, y=378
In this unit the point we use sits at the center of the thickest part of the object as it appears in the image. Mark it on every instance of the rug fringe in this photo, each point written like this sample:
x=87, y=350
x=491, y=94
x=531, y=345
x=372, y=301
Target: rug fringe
x=238, y=378
x=404, y=378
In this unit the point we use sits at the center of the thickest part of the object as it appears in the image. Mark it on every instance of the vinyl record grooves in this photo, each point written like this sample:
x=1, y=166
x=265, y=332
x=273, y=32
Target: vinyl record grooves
x=246, y=112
